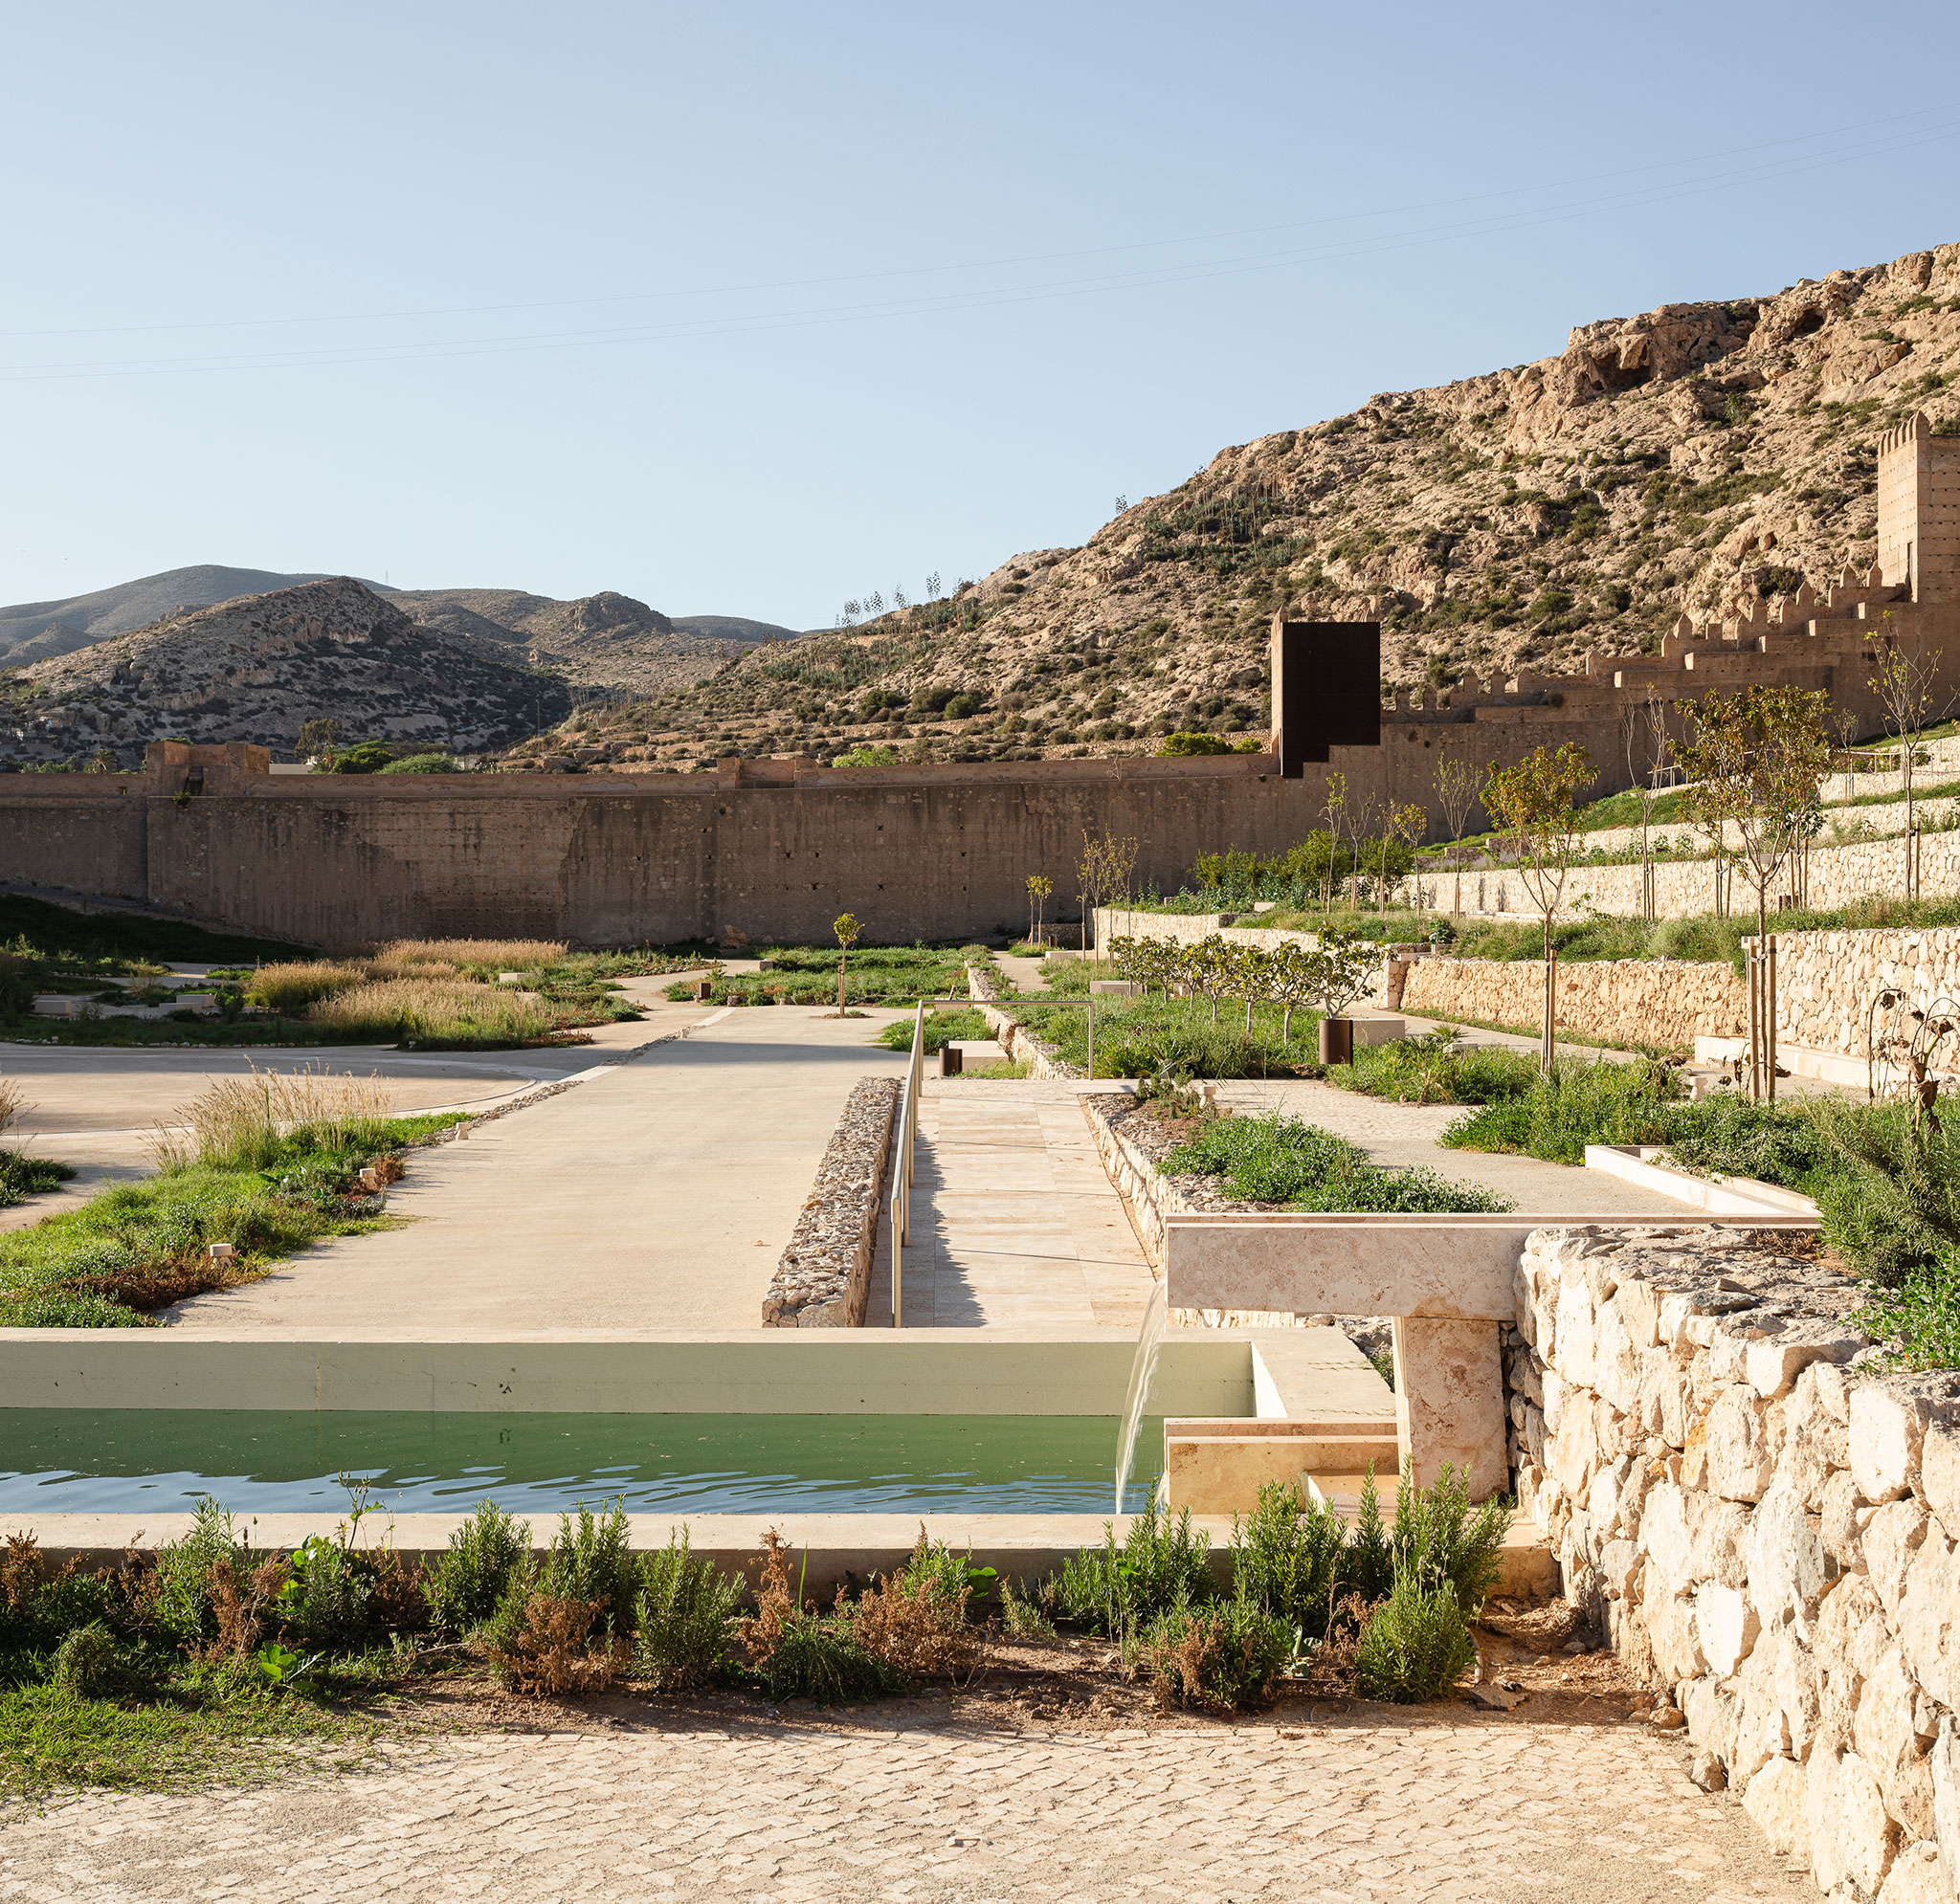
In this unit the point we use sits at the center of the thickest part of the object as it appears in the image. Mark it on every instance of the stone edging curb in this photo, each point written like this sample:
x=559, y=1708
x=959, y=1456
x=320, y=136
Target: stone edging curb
x=824, y=1274
x=1022, y=1044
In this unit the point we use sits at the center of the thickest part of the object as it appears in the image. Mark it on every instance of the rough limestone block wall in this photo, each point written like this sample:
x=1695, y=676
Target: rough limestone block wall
x=1766, y=1523
x=1826, y=981
x=824, y=1274
x=1665, y=1002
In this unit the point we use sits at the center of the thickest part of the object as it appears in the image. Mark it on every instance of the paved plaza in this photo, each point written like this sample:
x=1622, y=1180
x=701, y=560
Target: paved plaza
x=918, y=1807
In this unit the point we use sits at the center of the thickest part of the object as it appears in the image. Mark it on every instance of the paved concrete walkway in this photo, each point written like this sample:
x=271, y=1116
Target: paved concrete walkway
x=1382, y=1805
x=655, y=1195
x=1014, y=1222
x=93, y=1106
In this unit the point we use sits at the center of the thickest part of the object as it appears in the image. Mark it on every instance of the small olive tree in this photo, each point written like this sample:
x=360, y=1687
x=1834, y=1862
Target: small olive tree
x=1757, y=759
x=1532, y=806
x=848, y=928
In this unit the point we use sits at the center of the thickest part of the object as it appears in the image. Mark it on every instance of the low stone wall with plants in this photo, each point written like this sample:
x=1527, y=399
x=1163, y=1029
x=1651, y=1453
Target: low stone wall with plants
x=824, y=1275
x=1664, y=1001
x=1764, y=1522
x=1826, y=981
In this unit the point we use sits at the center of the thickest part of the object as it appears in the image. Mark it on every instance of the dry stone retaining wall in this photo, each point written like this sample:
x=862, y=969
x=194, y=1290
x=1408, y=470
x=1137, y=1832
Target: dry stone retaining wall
x=1666, y=1002
x=824, y=1275
x=1826, y=981
x=1766, y=1523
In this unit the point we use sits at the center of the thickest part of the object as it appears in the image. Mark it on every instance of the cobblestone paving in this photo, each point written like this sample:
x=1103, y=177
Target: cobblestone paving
x=1434, y=1809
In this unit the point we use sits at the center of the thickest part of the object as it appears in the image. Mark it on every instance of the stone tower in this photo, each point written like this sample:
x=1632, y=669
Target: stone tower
x=1919, y=513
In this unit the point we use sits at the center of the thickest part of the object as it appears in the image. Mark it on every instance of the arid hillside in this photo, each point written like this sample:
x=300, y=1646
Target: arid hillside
x=607, y=642
x=258, y=668
x=1697, y=455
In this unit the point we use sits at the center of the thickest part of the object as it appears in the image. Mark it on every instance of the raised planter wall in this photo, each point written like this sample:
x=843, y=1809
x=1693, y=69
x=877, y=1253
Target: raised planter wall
x=1765, y=1525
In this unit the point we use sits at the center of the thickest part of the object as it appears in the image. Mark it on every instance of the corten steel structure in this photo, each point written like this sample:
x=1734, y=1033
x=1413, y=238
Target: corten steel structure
x=778, y=848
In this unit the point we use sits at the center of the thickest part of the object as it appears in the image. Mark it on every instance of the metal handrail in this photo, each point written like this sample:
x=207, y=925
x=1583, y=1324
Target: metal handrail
x=901, y=1173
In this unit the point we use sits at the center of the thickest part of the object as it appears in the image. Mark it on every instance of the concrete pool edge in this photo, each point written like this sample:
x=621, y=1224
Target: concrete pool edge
x=1207, y=1372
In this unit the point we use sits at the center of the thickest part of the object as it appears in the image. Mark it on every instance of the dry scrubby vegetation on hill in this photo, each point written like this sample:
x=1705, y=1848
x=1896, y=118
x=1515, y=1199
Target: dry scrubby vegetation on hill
x=1691, y=457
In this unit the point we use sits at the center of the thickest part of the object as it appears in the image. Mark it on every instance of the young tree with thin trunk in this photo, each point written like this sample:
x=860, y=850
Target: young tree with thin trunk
x=1904, y=677
x=1456, y=793
x=847, y=928
x=1292, y=979
x=1333, y=811
x=1531, y=804
x=1757, y=759
x=1645, y=737
x=1039, y=886
x=1103, y=873
x=1407, y=823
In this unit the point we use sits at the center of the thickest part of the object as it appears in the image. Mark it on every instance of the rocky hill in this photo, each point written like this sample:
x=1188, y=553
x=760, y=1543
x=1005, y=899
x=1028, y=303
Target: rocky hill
x=606, y=641
x=34, y=631
x=258, y=668
x=1698, y=455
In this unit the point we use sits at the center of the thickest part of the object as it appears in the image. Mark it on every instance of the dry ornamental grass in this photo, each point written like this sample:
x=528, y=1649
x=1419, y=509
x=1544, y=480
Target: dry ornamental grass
x=489, y=955
x=450, y=1009
x=237, y=1122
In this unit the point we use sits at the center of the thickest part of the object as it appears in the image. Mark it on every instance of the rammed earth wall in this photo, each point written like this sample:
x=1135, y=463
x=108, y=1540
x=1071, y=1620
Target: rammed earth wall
x=1765, y=1523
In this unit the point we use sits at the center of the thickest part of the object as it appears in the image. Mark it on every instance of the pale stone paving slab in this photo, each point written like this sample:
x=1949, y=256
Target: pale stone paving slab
x=1014, y=1221
x=1437, y=1808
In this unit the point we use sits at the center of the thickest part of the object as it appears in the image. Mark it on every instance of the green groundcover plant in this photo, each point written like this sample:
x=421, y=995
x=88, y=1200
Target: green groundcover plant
x=1281, y=1159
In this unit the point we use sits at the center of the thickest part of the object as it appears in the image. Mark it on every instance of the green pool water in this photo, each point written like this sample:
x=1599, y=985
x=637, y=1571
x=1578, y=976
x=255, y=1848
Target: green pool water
x=139, y=1461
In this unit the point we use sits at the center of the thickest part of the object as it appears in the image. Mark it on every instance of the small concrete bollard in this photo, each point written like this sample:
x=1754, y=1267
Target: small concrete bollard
x=222, y=1253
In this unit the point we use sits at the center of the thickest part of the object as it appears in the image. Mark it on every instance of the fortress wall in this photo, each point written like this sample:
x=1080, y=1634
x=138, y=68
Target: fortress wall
x=930, y=852
x=75, y=832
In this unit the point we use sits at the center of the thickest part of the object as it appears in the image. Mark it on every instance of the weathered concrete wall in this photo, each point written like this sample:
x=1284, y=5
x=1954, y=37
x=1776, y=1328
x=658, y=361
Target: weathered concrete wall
x=1666, y=1002
x=916, y=853
x=76, y=832
x=1766, y=1525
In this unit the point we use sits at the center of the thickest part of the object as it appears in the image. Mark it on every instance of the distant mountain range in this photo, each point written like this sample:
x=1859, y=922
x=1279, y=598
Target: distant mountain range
x=259, y=667
x=606, y=641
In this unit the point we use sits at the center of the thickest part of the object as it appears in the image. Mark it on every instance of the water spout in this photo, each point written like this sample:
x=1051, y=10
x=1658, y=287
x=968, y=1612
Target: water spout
x=1149, y=1340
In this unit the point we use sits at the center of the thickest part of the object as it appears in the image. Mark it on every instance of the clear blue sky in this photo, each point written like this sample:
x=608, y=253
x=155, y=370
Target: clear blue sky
x=751, y=309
